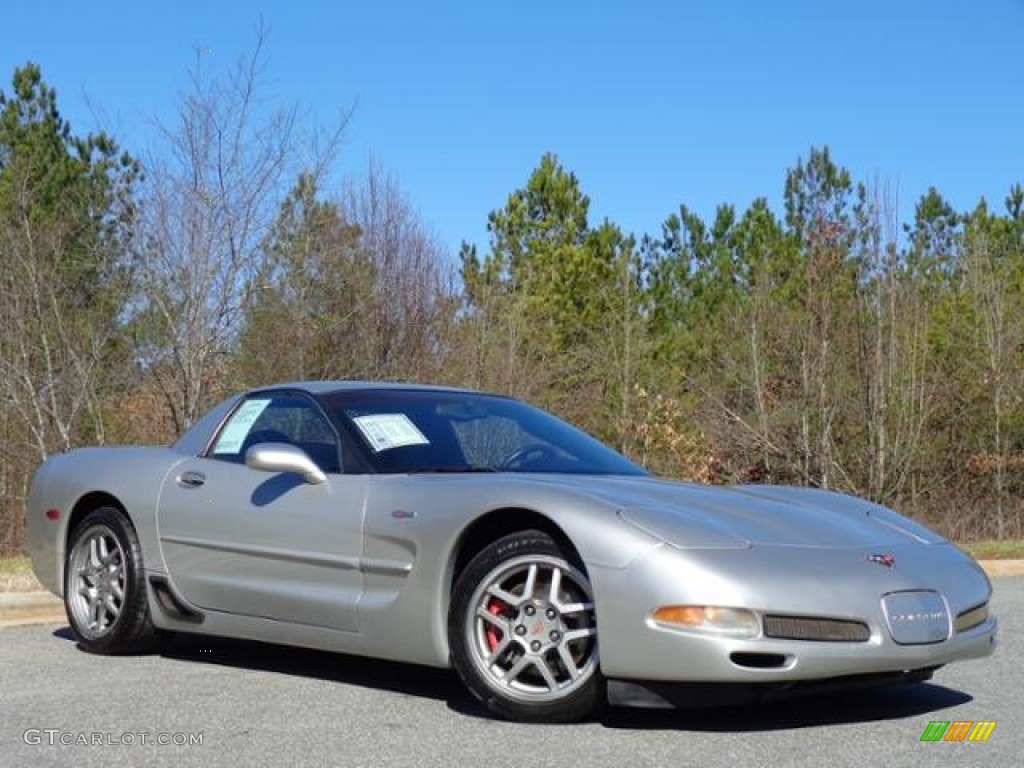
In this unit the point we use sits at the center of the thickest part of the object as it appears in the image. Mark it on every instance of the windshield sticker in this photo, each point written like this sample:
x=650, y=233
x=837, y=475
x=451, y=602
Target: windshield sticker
x=389, y=430
x=234, y=434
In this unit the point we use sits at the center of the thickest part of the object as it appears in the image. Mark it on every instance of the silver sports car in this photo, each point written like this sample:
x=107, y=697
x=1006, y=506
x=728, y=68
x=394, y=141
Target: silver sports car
x=459, y=529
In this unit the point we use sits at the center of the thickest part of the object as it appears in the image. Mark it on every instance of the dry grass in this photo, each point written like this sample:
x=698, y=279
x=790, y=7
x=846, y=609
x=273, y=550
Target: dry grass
x=16, y=575
x=1009, y=549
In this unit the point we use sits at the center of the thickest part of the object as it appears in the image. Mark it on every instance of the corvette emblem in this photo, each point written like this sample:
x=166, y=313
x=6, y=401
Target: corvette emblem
x=887, y=560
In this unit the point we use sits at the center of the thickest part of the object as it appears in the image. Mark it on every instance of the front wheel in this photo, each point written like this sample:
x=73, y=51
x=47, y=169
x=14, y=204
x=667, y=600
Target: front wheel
x=523, y=633
x=104, y=591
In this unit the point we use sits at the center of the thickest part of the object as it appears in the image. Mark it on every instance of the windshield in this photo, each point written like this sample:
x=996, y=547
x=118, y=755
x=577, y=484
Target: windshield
x=426, y=431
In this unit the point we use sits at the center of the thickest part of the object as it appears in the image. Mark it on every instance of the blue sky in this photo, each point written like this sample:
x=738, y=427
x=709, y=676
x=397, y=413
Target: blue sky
x=650, y=103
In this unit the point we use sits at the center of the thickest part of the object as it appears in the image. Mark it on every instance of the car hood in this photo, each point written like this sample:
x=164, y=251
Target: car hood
x=690, y=515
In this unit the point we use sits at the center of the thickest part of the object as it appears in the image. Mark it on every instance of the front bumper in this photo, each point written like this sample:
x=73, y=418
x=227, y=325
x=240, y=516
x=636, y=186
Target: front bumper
x=811, y=582
x=648, y=694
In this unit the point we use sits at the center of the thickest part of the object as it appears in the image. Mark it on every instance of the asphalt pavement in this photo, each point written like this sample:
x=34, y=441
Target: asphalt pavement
x=252, y=704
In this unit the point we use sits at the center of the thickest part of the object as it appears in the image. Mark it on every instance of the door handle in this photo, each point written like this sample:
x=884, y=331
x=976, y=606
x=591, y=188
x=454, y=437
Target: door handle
x=191, y=479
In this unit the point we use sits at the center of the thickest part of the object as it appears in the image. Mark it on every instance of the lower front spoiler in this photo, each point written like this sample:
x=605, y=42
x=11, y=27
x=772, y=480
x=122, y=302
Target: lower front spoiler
x=650, y=694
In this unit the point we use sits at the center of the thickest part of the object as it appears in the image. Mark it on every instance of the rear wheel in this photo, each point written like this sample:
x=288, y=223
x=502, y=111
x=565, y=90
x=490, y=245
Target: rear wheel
x=104, y=590
x=523, y=632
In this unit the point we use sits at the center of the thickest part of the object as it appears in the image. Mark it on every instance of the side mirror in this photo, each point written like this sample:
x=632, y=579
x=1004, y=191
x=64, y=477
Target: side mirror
x=281, y=457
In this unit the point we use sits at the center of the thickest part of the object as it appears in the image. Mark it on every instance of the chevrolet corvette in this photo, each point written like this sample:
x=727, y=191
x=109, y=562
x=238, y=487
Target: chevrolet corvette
x=472, y=531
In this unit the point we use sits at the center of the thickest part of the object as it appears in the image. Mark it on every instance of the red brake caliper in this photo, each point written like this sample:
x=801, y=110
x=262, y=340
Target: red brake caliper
x=493, y=635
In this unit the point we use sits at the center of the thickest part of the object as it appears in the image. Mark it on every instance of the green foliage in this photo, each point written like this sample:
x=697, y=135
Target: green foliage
x=558, y=302
x=933, y=236
x=302, y=319
x=539, y=250
x=53, y=181
x=66, y=221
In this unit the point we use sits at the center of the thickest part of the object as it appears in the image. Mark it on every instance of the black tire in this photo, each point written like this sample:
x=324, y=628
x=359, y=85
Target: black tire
x=105, y=589
x=536, y=660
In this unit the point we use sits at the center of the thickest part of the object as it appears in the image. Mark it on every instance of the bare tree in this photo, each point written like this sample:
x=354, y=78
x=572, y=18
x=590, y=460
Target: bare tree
x=51, y=360
x=405, y=317
x=52, y=353
x=350, y=288
x=211, y=196
x=994, y=287
x=894, y=361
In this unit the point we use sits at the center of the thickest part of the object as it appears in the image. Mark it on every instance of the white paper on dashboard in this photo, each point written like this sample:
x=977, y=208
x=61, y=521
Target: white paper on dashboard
x=234, y=434
x=389, y=430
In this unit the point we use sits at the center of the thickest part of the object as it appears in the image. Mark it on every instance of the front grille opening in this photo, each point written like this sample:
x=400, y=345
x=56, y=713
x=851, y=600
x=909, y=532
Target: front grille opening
x=971, y=618
x=816, y=629
x=758, y=660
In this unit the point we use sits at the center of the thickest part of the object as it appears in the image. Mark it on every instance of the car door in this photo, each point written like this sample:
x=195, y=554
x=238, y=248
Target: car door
x=267, y=544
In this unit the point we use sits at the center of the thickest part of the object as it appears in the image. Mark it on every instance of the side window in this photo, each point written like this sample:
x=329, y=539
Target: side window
x=292, y=419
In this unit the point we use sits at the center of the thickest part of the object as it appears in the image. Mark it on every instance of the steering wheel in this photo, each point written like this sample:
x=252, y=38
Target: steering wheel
x=518, y=457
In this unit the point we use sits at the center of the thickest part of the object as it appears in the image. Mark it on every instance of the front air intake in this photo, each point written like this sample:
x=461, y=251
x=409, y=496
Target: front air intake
x=816, y=629
x=757, y=660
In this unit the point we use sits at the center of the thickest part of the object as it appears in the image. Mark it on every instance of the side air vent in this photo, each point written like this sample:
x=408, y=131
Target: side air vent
x=172, y=605
x=816, y=629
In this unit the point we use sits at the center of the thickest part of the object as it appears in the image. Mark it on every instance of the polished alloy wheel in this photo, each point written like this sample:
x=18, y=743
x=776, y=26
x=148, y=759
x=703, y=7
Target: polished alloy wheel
x=97, y=581
x=532, y=634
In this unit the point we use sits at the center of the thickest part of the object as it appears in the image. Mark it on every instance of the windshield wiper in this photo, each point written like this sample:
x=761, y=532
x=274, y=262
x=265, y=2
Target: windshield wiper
x=452, y=468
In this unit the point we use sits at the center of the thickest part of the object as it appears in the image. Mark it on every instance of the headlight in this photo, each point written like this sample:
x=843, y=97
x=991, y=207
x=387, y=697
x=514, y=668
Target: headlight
x=732, y=622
